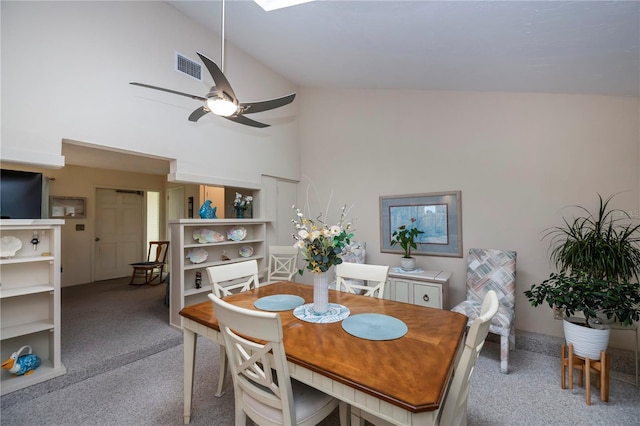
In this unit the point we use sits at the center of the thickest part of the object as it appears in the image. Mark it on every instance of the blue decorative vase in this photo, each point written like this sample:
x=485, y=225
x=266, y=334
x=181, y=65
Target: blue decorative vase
x=206, y=211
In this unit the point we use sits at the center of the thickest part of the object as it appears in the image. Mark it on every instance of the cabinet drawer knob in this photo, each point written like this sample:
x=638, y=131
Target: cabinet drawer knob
x=425, y=297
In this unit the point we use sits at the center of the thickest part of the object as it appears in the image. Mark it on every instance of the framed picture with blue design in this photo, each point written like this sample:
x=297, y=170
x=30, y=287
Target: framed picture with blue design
x=438, y=215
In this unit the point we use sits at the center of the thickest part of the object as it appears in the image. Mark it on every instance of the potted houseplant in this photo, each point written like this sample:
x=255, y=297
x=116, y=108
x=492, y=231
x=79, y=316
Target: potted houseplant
x=576, y=291
x=406, y=236
x=598, y=261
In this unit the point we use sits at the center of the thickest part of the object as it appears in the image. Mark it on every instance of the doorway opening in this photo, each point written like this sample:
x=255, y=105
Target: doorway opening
x=153, y=216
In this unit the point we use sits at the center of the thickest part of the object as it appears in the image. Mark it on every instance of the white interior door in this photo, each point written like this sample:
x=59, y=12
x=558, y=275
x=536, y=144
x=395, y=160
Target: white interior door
x=175, y=203
x=286, y=197
x=119, y=232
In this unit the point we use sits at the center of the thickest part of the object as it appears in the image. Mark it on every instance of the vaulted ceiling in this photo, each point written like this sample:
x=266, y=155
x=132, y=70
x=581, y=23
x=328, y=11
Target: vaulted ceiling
x=590, y=47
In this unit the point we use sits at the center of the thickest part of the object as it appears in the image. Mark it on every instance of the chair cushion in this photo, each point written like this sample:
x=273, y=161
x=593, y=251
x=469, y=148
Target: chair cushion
x=501, y=322
x=145, y=264
x=307, y=400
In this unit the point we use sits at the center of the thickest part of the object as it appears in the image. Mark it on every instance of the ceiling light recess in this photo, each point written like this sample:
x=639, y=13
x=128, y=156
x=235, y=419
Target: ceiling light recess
x=269, y=5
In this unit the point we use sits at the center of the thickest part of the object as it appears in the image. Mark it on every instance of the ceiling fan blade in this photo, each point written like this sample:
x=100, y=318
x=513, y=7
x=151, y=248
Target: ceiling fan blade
x=253, y=107
x=196, y=97
x=195, y=115
x=220, y=81
x=247, y=121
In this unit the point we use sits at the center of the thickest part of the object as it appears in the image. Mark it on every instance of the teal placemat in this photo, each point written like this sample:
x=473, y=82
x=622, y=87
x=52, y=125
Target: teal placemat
x=374, y=327
x=279, y=302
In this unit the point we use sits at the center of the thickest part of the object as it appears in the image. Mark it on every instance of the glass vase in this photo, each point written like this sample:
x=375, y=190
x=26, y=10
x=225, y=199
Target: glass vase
x=240, y=213
x=321, y=292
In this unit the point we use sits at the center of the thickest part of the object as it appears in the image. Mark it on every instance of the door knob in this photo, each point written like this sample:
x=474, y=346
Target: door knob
x=97, y=238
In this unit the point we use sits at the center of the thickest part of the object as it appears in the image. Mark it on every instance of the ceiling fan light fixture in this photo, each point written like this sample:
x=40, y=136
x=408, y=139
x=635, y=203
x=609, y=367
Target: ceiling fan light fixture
x=221, y=107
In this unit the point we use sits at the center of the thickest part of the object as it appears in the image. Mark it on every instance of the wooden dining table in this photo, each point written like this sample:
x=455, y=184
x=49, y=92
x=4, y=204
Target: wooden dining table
x=403, y=381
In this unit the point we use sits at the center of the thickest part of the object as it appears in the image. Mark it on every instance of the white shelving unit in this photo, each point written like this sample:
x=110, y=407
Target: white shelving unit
x=426, y=288
x=30, y=299
x=183, y=271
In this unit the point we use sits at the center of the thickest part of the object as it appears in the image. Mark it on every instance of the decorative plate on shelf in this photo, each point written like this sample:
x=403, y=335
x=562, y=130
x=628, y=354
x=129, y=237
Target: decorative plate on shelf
x=207, y=236
x=237, y=233
x=197, y=255
x=10, y=245
x=246, y=251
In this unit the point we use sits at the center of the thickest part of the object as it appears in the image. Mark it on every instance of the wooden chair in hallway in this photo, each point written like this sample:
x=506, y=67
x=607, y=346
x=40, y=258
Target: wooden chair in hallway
x=153, y=268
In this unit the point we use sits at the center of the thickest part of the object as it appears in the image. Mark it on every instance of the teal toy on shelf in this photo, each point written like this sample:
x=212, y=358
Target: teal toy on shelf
x=19, y=365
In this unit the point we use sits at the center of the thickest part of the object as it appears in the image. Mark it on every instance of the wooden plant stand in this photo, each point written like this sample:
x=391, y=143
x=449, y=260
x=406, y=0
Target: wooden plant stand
x=601, y=367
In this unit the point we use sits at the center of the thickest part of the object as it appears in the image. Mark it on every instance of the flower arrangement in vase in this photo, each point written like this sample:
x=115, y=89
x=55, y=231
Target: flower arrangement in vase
x=240, y=204
x=320, y=245
x=406, y=237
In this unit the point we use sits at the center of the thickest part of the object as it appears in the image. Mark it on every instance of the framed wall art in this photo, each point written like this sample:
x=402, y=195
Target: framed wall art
x=438, y=215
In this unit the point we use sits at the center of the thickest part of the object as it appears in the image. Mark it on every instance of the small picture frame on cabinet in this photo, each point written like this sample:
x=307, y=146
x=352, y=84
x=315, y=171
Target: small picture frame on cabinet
x=67, y=207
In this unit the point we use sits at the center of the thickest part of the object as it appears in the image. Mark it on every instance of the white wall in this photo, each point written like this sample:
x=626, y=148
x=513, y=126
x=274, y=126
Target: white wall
x=517, y=158
x=66, y=68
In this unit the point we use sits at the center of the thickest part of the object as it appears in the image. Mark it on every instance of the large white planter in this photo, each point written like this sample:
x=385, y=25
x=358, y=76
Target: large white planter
x=408, y=263
x=587, y=342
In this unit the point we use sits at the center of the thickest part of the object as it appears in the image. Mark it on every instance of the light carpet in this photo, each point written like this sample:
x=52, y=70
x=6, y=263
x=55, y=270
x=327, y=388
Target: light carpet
x=127, y=380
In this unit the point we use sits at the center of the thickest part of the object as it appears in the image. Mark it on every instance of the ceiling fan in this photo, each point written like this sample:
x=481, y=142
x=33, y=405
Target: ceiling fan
x=221, y=99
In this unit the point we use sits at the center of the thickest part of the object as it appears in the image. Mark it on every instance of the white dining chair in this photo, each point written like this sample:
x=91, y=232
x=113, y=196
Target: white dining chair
x=263, y=388
x=225, y=280
x=233, y=277
x=365, y=279
x=283, y=264
x=454, y=410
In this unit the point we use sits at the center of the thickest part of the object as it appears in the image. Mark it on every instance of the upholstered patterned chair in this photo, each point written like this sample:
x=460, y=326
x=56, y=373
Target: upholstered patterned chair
x=491, y=269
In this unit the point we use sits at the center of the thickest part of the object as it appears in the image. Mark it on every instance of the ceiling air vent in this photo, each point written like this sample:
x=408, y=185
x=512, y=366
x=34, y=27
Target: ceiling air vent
x=188, y=67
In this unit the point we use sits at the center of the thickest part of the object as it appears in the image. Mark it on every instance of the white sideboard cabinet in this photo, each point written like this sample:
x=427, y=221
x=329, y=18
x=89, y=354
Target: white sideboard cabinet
x=184, y=273
x=425, y=288
x=30, y=298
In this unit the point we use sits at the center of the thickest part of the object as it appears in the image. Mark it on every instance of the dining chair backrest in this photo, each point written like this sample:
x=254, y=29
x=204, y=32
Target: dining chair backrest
x=365, y=279
x=454, y=411
x=258, y=378
x=283, y=263
x=263, y=388
x=239, y=276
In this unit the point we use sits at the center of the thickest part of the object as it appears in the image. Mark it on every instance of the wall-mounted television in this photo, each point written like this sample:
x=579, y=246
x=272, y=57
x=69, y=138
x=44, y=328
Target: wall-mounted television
x=20, y=194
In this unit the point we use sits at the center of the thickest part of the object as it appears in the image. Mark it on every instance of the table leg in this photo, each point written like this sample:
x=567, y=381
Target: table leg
x=355, y=417
x=224, y=365
x=189, y=347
